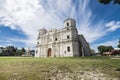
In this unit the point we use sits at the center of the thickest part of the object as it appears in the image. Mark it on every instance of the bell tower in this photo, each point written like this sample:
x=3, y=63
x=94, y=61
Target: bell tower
x=72, y=36
x=69, y=23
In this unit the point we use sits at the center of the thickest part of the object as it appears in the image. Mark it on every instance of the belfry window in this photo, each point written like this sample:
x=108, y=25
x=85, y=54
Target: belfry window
x=68, y=49
x=68, y=36
x=67, y=24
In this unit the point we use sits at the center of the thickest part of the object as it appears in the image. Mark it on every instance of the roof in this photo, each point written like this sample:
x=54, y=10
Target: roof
x=43, y=29
x=70, y=19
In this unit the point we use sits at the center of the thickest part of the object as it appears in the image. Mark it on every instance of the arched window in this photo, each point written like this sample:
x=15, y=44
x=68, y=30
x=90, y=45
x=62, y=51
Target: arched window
x=68, y=49
x=67, y=24
x=68, y=37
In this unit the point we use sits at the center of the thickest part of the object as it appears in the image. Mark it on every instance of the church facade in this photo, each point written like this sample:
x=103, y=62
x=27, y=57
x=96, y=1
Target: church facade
x=65, y=42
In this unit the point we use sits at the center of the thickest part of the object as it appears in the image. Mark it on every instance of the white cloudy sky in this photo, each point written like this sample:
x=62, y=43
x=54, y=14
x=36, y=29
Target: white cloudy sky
x=20, y=20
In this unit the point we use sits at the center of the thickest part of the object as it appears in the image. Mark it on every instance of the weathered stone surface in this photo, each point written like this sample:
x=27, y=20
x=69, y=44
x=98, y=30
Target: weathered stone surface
x=65, y=42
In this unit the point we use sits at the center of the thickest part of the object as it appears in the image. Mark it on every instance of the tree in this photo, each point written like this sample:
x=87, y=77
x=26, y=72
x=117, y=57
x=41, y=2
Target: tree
x=23, y=51
x=11, y=51
x=18, y=52
x=109, y=48
x=119, y=47
x=105, y=49
x=1, y=50
x=108, y=1
x=119, y=44
x=101, y=49
x=15, y=51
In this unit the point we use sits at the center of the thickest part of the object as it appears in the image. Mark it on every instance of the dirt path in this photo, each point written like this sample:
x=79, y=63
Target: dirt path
x=79, y=75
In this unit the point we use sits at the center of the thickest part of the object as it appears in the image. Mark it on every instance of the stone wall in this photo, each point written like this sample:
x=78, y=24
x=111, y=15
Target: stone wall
x=61, y=43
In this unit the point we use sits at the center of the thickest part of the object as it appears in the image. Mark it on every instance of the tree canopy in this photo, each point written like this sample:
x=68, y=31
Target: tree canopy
x=104, y=48
x=11, y=51
x=119, y=44
x=108, y=1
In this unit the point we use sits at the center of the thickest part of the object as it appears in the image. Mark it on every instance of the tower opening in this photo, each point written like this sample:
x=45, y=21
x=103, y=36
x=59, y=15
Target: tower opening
x=67, y=24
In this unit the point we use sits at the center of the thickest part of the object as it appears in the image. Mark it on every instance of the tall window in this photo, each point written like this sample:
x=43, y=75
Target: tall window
x=68, y=49
x=55, y=39
x=67, y=24
x=68, y=36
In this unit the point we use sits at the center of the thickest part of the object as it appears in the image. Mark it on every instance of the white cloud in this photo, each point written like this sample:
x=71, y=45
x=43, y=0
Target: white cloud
x=86, y=27
x=7, y=22
x=10, y=44
x=113, y=25
x=30, y=16
x=19, y=13
x=110, y=23
x=112, y=43
x=2, y=45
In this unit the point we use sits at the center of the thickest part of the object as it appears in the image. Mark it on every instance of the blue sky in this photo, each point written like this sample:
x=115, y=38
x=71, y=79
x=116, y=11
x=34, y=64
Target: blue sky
x=20, y=20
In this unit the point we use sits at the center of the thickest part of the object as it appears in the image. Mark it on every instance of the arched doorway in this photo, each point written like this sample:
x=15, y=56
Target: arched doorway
x=49, y=52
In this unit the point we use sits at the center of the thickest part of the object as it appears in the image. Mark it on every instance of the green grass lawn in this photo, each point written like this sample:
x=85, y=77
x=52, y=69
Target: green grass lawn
x=26, y=68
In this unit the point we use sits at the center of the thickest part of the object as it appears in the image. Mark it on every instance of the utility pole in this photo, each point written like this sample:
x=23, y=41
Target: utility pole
x=28, y=51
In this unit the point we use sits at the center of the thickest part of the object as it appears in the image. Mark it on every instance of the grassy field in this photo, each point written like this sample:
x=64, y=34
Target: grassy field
x=24, y=68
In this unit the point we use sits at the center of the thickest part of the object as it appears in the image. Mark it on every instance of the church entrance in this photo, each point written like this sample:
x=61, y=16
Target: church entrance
x=49, y=52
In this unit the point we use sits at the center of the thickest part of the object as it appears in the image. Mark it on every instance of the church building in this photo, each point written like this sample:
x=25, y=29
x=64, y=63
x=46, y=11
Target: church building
x=65, y=42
